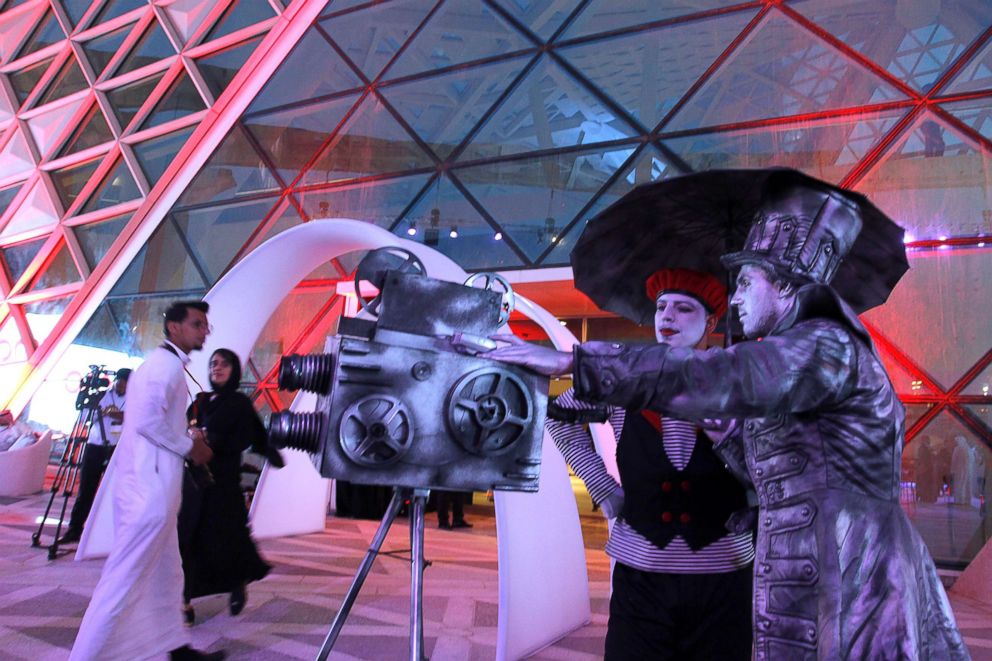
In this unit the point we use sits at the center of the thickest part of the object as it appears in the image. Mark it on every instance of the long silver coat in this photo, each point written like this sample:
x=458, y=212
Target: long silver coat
x=840, y=571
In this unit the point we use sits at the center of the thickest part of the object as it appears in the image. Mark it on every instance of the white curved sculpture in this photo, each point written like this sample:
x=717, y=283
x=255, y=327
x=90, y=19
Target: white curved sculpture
x=543, y=583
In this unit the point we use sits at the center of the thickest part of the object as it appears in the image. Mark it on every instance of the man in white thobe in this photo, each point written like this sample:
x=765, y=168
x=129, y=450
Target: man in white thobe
x=135, y=612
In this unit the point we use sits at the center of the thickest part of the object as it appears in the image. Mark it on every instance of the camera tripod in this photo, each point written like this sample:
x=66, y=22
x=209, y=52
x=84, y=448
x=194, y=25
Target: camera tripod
x=68, y=472
x=418, y=505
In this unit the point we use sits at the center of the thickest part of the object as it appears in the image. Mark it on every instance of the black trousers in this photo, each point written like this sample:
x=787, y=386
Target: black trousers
x=453, y=500
x=679, y=616
x=95, y=458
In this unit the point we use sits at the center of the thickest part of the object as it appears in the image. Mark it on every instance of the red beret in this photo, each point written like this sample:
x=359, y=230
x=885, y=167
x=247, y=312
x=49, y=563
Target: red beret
x=706, y=287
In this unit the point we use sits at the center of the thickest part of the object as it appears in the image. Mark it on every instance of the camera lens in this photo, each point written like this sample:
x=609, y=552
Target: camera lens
x=300, y=431
x=311, y=373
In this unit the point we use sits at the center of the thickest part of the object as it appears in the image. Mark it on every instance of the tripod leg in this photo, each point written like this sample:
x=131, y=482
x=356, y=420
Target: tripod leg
x=362, y=573
x=61, y=476
x=418, y=507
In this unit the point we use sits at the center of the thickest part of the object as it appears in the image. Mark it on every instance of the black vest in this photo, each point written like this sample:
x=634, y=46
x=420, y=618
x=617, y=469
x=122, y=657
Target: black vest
x=661, y=501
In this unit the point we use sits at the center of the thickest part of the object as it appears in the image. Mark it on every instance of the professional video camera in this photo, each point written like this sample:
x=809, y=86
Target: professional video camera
x=92, y=386
x=405, y=400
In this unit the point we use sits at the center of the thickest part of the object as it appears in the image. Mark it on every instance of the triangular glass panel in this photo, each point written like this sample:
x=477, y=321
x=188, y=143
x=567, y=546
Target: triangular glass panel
x=241, y=14
x=542, y=17
x=825, y=149
x=446, y=40
x=916, y=42
x=904, y=381
x=188, y=15
x=608, y=15
x=380, y=204
x=646, y=73
x=101, y=50
x=941, y=202
x=975, y=76
x=35, y=211
x=370, y=143
x=297, y=80
x=948, y=344
x=7, y=196
x=95, y=238
x=153, y=46
x=16, y=258
x=976, y=113
x=92, y=131
x=115, y=8
x=181, y=100
x=117, y=187
x=16, y=156
x=781, y=70
x=43, y=315
x=371, y=37
x=444, y=109
x=234, y=170
x=70, y=181
x=981, y=385
x=162, y=264
x=139, y=319
x=916, y=411
x=76, y=9
x=47, y=33
x=47, y=127
x=219, y=68
x=60, y=270
x=649, y=165
x=102, y=331
x=547, y=109
x=294, y=314
x=291, y=138
x=216, y=234
x=156, y=155
x=983, y=412
x=12, y=30
x=69, y=80
x=287, y=219
x=25, y=80
x=534, y=199
x=446, y=221
x=127, y=101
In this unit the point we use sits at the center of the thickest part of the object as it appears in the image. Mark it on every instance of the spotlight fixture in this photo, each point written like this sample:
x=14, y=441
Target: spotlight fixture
x=412, y=229
x=454, y=232
x=498, y=236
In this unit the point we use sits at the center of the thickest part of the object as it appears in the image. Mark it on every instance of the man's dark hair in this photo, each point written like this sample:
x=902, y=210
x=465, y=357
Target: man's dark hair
x=123, y=373
x=780, y=276
x=179, y=310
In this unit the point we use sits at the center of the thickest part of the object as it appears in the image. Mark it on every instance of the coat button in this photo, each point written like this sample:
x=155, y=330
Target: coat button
x=685, y=485
x=808, y=570
x=768, y=522
x=794, y=461
x=759, y=471
x=684, y=518
x=805, y=511
x=607, y=382
x=666, y=517
x=766, y=568
x=616, y=345
x=666, y=486
x=749, y=426
x=811, y=633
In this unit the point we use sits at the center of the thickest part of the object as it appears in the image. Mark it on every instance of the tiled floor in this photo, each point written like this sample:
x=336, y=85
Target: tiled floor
x=288, y=613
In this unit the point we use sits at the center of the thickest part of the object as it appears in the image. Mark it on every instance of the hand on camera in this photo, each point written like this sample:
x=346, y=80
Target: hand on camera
x=536, y=358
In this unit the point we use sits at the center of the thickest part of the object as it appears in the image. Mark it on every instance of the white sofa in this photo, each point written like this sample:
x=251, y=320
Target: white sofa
x=22, y=471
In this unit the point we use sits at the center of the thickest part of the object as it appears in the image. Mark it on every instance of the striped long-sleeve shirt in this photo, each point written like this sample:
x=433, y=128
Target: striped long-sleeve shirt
x=626, y=545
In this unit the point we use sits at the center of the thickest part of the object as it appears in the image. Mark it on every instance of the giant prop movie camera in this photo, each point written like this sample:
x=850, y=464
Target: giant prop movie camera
x=405, y=400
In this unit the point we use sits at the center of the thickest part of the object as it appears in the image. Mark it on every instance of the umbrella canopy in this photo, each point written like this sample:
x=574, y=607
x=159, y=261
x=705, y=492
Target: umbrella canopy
x=692, y=220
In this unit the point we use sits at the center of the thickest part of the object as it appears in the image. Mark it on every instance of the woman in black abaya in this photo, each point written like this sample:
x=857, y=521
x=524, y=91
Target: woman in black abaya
x=218, y=553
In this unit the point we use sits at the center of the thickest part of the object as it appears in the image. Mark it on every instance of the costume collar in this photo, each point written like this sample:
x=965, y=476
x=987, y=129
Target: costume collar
x=821, y=301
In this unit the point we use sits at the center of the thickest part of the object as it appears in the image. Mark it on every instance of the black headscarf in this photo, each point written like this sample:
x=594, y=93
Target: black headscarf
x=234, y=382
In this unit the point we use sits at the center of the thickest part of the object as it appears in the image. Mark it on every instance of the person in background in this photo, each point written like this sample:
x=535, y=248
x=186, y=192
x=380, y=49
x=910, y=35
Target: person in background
x=6, y=418
x=219, y=556
x=682, y=581
x=453, y=502
x=104, y=432
x=135, y=609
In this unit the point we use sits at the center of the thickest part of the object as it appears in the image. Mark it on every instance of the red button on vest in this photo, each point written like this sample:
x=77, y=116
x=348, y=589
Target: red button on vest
x=685, y=485
x=685, y=518
x=666, y=517
x=666, y=486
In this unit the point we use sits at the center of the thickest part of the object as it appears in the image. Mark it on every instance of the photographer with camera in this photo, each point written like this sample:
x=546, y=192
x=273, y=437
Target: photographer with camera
x=104, y=431
x=135, y=612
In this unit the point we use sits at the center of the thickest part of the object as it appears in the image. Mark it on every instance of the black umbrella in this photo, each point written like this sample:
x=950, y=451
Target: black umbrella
x=691, y=220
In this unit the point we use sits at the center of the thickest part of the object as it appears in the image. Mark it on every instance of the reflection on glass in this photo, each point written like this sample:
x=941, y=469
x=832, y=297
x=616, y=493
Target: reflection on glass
x=11, y=346
x=95, y=238
x=17, y=257
x=155, y=155
x=69, y=80
x=379, y=202
x=234, y=170
x=138, y=319
x=115, y=8
x=127, y=100
x=548, y=109
x=162, y=265
x=60, y=271
x=24, y=80
x=284, y=327
x=241, y=14
x=118, y=186
x=606, y=15
x=102, y=49
x=92, y=131
x=46, y=33
x=7, y=196
x=542, y=17
x=69, y=181
x=43, y=315
x=219, y=68
x=181, y=100
x=151, y=47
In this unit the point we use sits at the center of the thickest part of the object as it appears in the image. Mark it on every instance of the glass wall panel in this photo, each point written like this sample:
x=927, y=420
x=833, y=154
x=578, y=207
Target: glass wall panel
x=69, y=80
x=115, y=8
x=127, y=100
x=60, y=271
x=151, y=47
x=69, y=181
x=7, y=196
x=16, y=258
x=47, y=32
x=542, y=17
x=235, y=170
x=156, y=155
x=118, y=186
x=379, y=202
x=219, y=68
x=92, y=131
x=162, y=265
x=102, y=49
x=141, y=318
x=23, y=81
x=241, y=14
x=95, y=238
x=43, y=315
x=181, y=100
x=606, y=15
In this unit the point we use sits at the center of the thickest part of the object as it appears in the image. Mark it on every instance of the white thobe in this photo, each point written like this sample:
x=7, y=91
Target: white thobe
x=136, y=609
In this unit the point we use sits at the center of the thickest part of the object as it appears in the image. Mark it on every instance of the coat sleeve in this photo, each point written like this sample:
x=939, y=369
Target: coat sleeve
x=807, y=367
x=575, y=445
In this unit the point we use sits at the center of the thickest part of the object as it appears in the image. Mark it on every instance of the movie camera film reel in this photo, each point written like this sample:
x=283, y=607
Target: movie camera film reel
x=489, y=282
x=488, y=410
x=373, y=269
x=376, y=431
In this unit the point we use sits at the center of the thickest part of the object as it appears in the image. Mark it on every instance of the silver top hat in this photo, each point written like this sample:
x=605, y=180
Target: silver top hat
x=800, y=229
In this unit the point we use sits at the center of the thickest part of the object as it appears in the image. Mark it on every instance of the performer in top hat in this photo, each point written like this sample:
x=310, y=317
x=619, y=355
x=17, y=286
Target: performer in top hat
x=840, y=572
x=682, y=581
